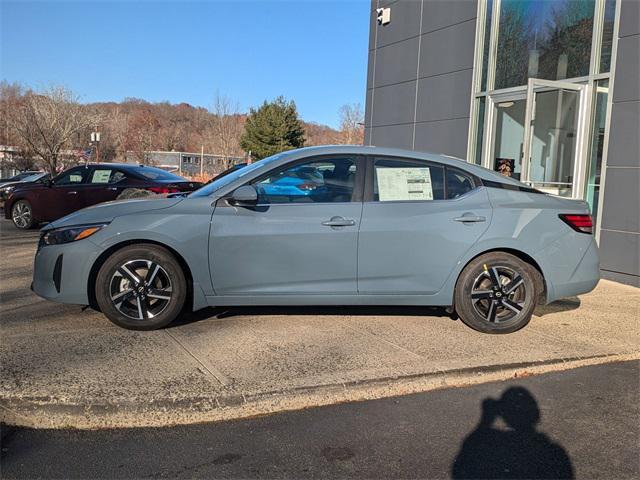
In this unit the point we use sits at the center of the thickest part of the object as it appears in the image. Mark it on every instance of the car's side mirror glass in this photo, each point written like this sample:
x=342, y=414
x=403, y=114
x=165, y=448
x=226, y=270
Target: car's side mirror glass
x=245, y=196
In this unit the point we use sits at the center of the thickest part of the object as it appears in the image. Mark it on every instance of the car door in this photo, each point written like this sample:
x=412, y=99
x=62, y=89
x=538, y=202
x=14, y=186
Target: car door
x=300, y=239
x=65, y=194
x=418, y=220
x=104, y=185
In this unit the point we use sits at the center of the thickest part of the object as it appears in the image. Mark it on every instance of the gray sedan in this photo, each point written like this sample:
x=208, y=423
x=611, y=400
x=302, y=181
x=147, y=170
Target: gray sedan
x=341, y=225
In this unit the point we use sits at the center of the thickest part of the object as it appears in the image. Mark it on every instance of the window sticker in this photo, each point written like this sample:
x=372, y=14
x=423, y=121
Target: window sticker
x=404, y=184
x=101, y=176
x=75, y=178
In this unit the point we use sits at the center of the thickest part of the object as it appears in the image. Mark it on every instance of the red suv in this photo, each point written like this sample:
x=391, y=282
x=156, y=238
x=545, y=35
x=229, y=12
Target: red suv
x=86, y=185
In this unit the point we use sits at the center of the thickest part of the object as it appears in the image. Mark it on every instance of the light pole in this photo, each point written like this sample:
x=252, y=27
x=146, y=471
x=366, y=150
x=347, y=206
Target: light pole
x=95, y=140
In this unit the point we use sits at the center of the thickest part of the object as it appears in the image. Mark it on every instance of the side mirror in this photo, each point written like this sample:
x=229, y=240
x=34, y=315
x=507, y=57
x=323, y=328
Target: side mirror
x=48, y=182
x=245, y=196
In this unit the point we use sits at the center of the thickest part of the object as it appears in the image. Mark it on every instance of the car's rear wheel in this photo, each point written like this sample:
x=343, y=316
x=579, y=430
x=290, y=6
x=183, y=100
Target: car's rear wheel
x=22, y=215
x=141, y=287
x=496, y=293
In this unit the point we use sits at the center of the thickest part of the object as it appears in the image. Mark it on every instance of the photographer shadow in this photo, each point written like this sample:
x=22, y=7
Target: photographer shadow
x=514, y=449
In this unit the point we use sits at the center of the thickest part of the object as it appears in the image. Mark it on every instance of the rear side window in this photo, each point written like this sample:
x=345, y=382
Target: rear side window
x=458, y=183
x=397, y=180
x=106, y=175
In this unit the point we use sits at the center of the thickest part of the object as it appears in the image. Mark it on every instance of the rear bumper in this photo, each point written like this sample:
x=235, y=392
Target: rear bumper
x=61, y=272
x=573, y=267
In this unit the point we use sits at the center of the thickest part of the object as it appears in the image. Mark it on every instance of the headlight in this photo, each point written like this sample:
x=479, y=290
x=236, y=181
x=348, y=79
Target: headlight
x=4, y=192
x=70, y=234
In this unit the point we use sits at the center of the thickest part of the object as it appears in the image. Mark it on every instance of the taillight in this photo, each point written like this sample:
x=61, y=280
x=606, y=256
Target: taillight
x=308, y=186
x=579, y=222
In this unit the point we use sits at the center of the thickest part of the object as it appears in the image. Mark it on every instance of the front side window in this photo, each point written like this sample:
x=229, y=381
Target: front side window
x=327, y=180
x=72, y=177
x=407, y=180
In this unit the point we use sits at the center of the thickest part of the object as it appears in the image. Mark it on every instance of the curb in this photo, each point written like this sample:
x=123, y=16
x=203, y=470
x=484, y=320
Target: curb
x=53, y=413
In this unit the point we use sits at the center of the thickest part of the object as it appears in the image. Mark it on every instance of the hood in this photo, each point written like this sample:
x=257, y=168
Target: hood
x=106, y=212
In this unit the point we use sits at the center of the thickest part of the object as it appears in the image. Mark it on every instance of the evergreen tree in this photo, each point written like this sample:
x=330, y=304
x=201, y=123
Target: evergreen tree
x=272, y=128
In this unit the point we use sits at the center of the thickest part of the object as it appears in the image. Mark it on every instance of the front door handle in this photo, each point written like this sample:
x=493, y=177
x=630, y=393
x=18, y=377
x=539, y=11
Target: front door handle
x=470, y=218
x=72, y=193
x=339, y=222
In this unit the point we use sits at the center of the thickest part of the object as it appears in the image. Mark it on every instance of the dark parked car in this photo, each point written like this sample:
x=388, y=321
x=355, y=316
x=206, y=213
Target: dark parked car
x=8, y=187
x=86, y=185
x=16, y=178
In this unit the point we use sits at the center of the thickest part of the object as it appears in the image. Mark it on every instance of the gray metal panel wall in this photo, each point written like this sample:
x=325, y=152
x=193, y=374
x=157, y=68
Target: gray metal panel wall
x=620, y=234
x=419, y=76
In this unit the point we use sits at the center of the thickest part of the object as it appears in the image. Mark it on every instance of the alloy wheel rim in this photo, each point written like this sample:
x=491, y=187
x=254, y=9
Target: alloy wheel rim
x=140, y=289
x=498, y=294
x=21, y=214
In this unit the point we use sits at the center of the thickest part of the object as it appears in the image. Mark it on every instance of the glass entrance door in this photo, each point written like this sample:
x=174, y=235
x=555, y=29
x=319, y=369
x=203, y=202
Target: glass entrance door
x=554, y=132
x=508, y=126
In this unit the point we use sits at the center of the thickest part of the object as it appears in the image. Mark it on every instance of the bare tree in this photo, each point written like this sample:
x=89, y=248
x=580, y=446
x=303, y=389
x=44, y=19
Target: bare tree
x=142, y=134
x=226, y=129
x=351, y=123
x=51, y=121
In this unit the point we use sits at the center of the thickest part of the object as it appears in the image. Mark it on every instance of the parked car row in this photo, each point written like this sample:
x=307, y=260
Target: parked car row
x=44, y=199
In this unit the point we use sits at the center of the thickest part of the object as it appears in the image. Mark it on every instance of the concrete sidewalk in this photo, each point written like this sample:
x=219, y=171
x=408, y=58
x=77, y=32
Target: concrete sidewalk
x=60, y=366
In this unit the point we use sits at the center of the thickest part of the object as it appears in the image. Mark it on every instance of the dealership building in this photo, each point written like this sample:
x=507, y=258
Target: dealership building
x=547, y=89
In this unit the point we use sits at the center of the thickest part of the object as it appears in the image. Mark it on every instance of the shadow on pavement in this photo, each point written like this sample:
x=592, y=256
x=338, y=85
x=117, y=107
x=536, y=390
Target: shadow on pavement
x=559, y=306
x=516, y=451
x=229, y=312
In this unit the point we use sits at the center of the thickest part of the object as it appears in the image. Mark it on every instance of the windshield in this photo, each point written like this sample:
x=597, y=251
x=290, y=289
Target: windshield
x=233, y=176
x=153, y=173
x=34, y=177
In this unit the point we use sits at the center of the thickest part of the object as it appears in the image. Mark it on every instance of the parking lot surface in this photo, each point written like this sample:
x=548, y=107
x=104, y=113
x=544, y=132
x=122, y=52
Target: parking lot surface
x=62, y=366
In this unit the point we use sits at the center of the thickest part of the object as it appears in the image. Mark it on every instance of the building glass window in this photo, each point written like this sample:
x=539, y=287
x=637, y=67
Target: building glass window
x=597, y=146
x=551, y=43
x=607, y=36
x=481, y=105
x=546, y=39
x=485, y=49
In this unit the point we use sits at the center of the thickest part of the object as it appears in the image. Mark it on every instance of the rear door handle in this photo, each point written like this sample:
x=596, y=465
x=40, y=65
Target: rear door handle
x=339, y=222
x=470, y=218
x=72, y=193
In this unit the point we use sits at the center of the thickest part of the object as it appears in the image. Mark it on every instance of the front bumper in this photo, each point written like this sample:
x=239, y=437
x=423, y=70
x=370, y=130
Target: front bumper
x=61, y=272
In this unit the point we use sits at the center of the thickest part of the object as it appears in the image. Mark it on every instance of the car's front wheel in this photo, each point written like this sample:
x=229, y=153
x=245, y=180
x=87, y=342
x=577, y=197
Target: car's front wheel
x=22, y=215
x=141, y=287
x=496, y=293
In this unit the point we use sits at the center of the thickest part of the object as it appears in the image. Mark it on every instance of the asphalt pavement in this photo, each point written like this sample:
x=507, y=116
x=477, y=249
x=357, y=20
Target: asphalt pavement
x=581, y=423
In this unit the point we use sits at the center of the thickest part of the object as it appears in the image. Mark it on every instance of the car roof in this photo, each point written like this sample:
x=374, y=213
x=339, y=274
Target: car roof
x=477, y=170
x=126, y=166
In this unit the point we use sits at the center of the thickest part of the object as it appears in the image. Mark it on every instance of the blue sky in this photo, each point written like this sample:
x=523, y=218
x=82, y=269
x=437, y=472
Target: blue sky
x=312, y=52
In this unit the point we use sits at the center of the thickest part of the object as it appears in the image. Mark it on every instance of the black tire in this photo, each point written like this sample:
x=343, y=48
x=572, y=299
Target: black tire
x=497, y=293
x=134, y=294
x=22, y=215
